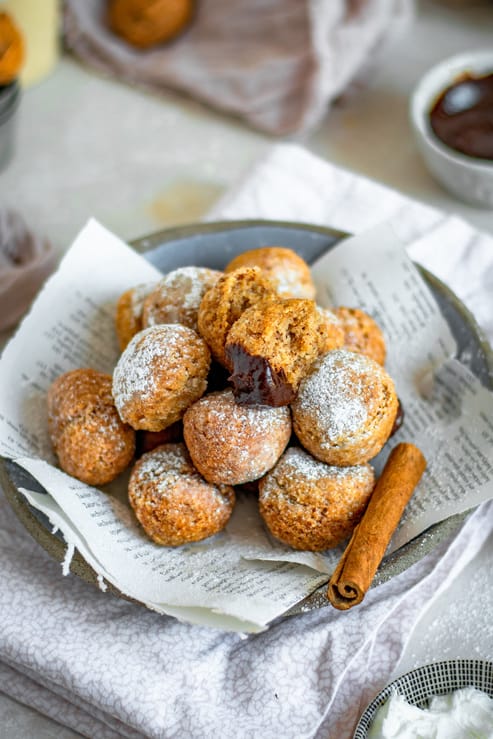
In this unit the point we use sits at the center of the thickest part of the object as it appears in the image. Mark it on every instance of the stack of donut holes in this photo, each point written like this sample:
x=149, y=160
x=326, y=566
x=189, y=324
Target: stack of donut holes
x=234, y=378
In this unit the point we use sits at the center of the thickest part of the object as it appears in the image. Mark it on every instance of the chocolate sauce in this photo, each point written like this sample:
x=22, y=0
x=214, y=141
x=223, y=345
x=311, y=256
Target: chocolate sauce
x=254, y=381
x=217, y=379
x=462, y=117
x=399, y=419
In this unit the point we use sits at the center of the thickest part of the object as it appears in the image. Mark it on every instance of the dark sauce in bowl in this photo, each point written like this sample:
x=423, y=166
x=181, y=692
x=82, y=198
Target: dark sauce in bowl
x=462, y=117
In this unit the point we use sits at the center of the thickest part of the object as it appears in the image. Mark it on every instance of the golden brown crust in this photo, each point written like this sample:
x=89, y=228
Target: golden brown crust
x=345, y=409
x=224, y=303
x=331, y=330
x=176, y=298
x=311, y=505
x=234, y=444
x=172, y=502
x=91, y=442
x=289, y=273
x=145, y=23
x=362, y=334
x=271, y=347
x=128, y=314
x=161, y=372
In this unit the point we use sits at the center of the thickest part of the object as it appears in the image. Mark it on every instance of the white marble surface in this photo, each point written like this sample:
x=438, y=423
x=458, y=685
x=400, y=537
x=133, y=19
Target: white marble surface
x=88, y=146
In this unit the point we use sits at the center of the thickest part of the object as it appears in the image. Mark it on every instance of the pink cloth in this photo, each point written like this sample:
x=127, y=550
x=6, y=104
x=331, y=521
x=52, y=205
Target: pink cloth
x=276, y=63
x=26, y=260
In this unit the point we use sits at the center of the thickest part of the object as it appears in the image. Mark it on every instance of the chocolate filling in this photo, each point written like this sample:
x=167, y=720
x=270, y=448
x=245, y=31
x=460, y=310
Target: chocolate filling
x=255, y=381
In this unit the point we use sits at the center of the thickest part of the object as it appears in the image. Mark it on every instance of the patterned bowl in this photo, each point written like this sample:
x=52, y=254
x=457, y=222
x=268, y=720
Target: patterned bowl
x=437, y=678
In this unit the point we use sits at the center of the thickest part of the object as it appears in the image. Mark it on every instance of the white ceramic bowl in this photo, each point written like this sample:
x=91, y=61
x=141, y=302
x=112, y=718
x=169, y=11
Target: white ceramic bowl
x=469, y=179
x=437, y=678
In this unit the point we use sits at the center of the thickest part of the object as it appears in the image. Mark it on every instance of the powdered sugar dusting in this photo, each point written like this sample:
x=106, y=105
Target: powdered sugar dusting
x=288, y=283
x=297, y=473
x=296, y=462
x=329, y=316
x=164, y=465
x=178, y=295
x=258, y=418
x=134, y=373
x=234, y=443
x=332, y=393
x=83, y=396
x=161, y=469
x=138, y=295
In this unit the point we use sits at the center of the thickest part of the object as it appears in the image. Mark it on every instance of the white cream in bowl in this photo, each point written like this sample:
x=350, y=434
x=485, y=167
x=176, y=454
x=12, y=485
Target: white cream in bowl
x=466, y=713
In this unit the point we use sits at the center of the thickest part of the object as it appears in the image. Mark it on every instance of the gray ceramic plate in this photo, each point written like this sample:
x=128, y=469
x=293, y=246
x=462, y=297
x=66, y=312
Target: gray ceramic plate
x=213, y=245
x=437, y=678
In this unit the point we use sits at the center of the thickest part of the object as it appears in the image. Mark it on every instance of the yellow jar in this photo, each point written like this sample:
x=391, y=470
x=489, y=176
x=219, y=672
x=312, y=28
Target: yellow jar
x=39, y=21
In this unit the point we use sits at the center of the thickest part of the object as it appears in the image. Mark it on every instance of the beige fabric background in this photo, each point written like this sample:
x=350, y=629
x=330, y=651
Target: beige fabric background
x=276, y=63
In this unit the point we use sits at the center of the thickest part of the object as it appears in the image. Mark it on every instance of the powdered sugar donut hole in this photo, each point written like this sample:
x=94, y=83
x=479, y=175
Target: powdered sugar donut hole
x=161, y=372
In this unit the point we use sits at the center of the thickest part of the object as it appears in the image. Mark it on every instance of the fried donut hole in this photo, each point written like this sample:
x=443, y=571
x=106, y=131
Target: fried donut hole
x=172, y=502
x=311, y=505
x=88, y=436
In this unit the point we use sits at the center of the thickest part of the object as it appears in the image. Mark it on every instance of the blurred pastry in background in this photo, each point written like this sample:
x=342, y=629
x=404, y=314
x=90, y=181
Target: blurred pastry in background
x=40, y=26
x=11, y=49
x=278, y=64
x=146, y=23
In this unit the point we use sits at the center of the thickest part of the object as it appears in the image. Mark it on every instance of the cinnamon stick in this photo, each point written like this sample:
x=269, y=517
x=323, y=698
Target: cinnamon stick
x=366, y=548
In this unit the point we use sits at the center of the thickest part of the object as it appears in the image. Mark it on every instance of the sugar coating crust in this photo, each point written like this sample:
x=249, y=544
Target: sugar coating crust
x=145, y=23
x=310, y=505
x=284, y=267
x=271, y=347
x=345, y=408
x=161, y=372
x=176, y=298
x=362, y=334
x=90, y=441
x=331, y=330
x=234, y=444
x=128, y=315
x=224, y=303
x=172, y=502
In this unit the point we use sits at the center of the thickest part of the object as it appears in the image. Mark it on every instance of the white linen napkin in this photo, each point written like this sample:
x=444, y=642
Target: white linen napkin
x=108, y=668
